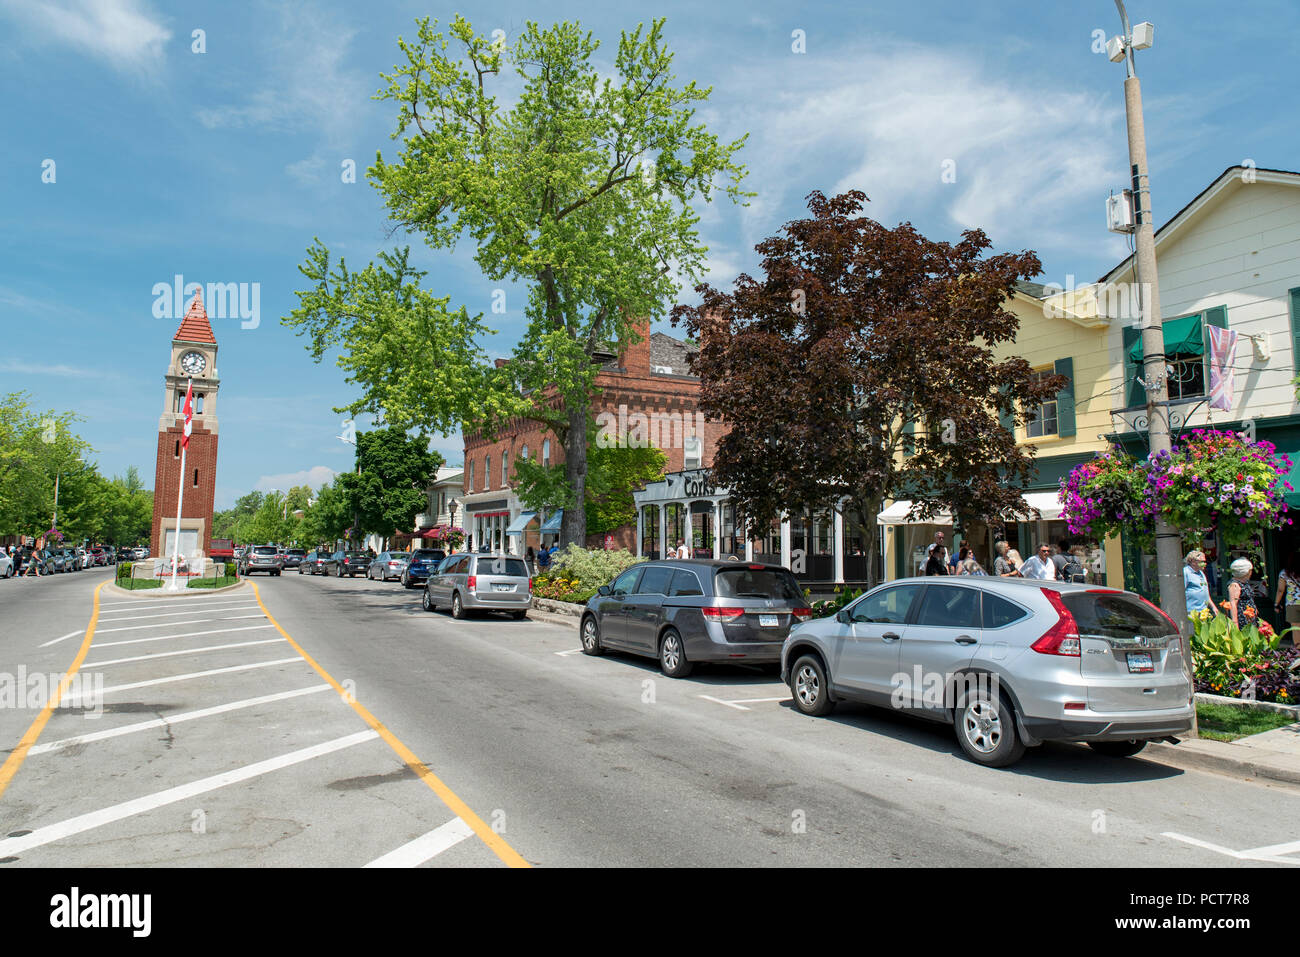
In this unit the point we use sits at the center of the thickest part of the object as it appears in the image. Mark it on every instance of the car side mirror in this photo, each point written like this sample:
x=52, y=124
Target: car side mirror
x=602, y=591
x=842, y=617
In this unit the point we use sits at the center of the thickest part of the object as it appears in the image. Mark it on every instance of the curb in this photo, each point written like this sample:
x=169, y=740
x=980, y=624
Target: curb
x=1273, y=706
x=558, y=608
x=112, y=588
x=1174, y=755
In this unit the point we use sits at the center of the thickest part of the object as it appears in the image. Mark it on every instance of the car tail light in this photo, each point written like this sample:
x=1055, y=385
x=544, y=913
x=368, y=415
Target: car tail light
x=472, y=582
x=530, y=584
x=802, y=614
x=1063, y=637
x=722, y=614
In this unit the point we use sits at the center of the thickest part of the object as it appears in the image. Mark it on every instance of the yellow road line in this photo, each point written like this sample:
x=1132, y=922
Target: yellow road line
x=19, y=754
x=458, y=807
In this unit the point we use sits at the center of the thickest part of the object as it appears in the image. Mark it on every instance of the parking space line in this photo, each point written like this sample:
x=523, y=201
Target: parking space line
x=173, y=719
x=759, y=700
x=729, y=704
x=175, y=603
x=1268, y=854
x=63, y=638
x=181, y=634
x=170, y=614
x=141, y=805
x=183, y=651
x=565, y=654
x=491, y=838
x=76, y=699
x=172, y=624
x=427, y=846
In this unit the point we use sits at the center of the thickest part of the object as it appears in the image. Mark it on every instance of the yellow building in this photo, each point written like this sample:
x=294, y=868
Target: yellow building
x=1060, y=332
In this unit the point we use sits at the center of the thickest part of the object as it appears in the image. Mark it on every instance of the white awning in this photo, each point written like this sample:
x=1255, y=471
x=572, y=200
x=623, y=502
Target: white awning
x=896, y=514
x=1046, y=502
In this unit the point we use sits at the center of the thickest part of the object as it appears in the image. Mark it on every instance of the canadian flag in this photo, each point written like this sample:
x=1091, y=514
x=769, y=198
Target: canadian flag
x=189, y=414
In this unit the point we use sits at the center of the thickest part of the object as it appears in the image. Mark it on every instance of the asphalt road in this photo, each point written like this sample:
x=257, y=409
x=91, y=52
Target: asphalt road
x=217, y=744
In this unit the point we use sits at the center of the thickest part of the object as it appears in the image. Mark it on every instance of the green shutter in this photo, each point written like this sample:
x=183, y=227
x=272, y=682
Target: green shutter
x=909, y=437
x=1134, y=394
x=1065, y=398
x=1295, y=326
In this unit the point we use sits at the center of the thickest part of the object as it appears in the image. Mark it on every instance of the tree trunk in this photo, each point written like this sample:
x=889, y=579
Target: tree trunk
x=573, y=528
x=871, y=534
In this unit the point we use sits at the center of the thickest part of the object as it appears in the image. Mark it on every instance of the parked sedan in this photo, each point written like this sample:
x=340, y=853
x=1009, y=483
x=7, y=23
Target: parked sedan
x=1010, y=663
x=343, y=563
x=387, y=565
x=684, y=611
x=420, y=565
x=481, y=582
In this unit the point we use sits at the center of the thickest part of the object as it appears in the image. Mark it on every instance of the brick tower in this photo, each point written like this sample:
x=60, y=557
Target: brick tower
x=194, y=357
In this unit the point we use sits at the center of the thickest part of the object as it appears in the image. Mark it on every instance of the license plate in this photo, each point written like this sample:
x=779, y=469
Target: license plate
x=498, y=586
x=1139, y=662
x=767, y=621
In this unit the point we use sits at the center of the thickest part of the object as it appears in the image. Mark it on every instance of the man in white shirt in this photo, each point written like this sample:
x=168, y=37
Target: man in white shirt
x=1040, y=566
x=682, y=550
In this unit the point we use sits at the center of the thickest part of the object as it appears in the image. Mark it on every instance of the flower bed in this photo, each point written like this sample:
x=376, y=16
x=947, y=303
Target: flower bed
x=1243, y=663
x=577, y=572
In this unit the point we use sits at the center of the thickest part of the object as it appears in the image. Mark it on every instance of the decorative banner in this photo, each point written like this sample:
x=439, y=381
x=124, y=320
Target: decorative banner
x=189, y=415
x=1223, y=346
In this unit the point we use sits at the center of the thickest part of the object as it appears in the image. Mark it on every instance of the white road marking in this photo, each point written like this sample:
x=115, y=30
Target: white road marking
x=1268, y=853
x=172, y=624
x=64, y=638
x=427, y=846
x=138, y=602
x=184, y=651
x=150, y=802
x=172, y=719
x=172, y=614
x=180, y=634
x=571, y=651
x=73, y=700
x=128, y=606
x=758, y=700
x=729, y=704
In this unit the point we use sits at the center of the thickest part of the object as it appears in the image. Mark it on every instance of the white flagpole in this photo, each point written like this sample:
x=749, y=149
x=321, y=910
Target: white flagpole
x=180, y=498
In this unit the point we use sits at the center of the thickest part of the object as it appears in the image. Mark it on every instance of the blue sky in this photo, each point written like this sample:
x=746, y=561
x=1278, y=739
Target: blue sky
x=223, y=166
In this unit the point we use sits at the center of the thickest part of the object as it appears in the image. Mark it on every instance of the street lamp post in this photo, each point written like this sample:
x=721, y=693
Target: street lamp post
x=1173, y=599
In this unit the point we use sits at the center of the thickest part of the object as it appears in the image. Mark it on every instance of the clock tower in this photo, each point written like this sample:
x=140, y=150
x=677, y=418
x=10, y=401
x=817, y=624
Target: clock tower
x=194, y=358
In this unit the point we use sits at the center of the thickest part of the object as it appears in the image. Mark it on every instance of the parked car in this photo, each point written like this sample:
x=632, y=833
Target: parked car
x=141, y=552
x=387, y=565
x=81, y=558
x=420, y=565
x=261, y=558
x=682, y=611
x=343, y=563
x=1010, y=663
x=293, y=557
x=7, y=565
x=97, y=556
x=480, y=582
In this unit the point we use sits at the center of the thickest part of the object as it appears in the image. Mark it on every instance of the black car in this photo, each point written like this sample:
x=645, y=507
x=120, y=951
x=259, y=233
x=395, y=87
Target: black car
x=293, y=557
x=312, y=562
x=421, y=565
x=343, y=563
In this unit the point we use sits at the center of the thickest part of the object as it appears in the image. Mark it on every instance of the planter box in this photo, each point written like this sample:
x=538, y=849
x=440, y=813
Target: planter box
x=1291, y=709
x=559, y=607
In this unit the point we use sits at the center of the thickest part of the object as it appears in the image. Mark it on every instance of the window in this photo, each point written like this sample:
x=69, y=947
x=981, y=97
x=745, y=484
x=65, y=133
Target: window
x=1042, y=418
x=487, y=472
x=999, y=612
x=523, y=453
x=745, y=582
x=950, y=606
x=685, y=584
x=198, y=403
x=655, y=581
x=692, y=452
x=624, y=583
x=196, y=478
x=505, y=468
x=888, y=606
x=178, y=448
x=470, y=487
x=546, y=452
x=1186, y=376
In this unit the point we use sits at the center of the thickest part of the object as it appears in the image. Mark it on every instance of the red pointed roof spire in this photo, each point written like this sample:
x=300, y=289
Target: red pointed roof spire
x=195, y=326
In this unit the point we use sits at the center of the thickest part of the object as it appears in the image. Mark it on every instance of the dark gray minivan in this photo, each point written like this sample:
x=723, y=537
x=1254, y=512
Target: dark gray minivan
x=687, y=610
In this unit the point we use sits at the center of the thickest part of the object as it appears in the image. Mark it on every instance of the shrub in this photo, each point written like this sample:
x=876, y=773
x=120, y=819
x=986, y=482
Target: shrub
x=589, y=568
x=831, y=606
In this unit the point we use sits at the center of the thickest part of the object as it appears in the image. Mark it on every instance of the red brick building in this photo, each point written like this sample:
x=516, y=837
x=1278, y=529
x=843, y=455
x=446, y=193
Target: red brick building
x=648, y=393
x=194, y=358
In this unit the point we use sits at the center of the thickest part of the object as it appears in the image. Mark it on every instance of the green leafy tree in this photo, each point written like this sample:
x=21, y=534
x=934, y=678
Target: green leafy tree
x=613, y=472
x=583, y=190
x=389, y=488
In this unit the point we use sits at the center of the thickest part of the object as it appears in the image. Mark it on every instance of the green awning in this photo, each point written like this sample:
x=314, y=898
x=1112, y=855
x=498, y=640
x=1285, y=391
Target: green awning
x=1182, y=337
x=1292, y=498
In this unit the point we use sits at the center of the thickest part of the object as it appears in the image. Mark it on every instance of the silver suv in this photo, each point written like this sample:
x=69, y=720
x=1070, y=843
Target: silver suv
x=1010, y=663
x=262, y=558
x=486, y=582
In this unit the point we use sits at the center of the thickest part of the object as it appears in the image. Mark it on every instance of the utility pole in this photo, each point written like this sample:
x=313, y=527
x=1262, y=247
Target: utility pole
x=1169, y=557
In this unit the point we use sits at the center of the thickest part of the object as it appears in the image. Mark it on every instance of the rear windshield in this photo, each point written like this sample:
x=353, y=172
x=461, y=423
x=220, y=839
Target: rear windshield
x=510, y=567
x=296, y=552
x=1115, y=615
x=427, y=555
x=358, y=555
x=745, y=582
x=264, y=550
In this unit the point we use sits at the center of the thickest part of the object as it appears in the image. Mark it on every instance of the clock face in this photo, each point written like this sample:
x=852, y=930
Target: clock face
x=193, y=362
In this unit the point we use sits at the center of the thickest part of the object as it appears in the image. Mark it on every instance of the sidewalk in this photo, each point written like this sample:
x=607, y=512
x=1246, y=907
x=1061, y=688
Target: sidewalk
x=1274, y=755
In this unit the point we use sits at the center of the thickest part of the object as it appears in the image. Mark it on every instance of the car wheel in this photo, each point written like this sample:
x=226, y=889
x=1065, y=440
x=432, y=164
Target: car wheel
x=808, y=685
x=519, y=615
x=427, y=602
x=986, y=729
x=591, y=637
x=672, y=655
x=457, y=609
x=338, y=571
x=406, y=581
x=299, y=569
x=1117, y=749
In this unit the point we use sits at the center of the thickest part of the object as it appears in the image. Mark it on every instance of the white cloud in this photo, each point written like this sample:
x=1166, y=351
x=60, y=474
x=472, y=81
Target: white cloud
x=19, y=367
x=316, y=476
x=127, y=34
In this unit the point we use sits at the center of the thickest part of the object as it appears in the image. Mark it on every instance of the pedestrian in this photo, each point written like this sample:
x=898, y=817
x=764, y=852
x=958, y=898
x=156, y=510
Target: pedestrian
x=971, y=567
x=936, y=563
x=943, y=550
x=1288, y=590
x=1195, y=585
x=543, y=559
x=683, y=550
x=1061, y=558
x=1241, y=600
x=1073, y=568
x=1039, y=566
x=531, y=557
x=1003, y=565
